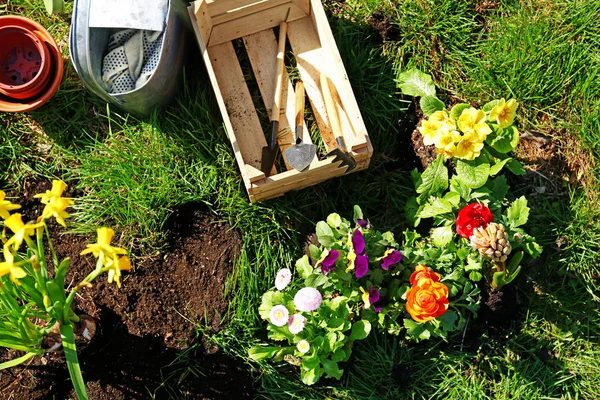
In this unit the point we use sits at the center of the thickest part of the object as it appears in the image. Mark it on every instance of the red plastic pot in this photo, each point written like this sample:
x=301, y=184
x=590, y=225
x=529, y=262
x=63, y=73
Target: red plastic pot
x=31, y=65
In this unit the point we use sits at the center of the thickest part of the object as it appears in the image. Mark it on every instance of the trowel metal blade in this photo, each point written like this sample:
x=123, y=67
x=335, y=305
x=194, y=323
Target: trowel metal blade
x=300, y=155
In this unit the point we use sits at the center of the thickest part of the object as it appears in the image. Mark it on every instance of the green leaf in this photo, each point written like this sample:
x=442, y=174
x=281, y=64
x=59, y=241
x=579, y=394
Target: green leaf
x=499, y=188
x=310, y=376
x=512, y=276
x=338, y=356
x=458, y=109
x=358, y=214
x=315, y=254
x=434, y=180
x=436, y=207
x=475, y=276
x=360, y=330
x=332, y=370
x=279, y=332
x=303, y=267
x=61, y=271
x=258, y=353
x=54, y=6
x=334, y=220
x=17, y=361
x=431, y=104
x=532, y=248
x=323, y=230
x=498, y=166
x=68, y=341
x=316, y=280
x=416, y=330
x=518, y=212
x=442, y=236
x=503, y=140
x=453, y=198
x=269, y=299
x=489, y=106
x=515, y=260
x=416, y=83
x=515, y=167
x=448, y=320
x=457, y=186
x=473, y=174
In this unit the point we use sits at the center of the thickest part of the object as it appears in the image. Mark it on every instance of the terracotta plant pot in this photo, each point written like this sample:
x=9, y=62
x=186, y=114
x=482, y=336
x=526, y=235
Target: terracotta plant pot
x=31, y=64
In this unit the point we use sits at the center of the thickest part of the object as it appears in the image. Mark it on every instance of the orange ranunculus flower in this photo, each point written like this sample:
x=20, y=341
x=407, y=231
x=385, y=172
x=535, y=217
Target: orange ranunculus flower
x=427, y=300
x=422, y=271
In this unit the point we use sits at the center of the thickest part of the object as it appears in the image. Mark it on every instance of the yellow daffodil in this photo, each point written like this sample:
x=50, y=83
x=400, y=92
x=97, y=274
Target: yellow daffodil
x=504, y=113
x=110, y=255
x=6, y=206
x=9, y=267
x=56, y=192
x=468, y=148
x=472, y=122
x=21, y=231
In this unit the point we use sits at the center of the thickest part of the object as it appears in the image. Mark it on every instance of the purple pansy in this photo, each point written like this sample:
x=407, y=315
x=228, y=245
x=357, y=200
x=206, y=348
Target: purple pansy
x=375, y=299
x=328, y=263
x=393, y=257
x=358, y=241
x=361, y=266
x=363, y=223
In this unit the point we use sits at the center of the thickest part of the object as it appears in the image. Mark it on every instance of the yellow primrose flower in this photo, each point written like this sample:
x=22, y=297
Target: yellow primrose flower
x=438, y=123
x=468, y=149
x=21, y=231
x=472, y=122
x=504, y=113
x=6, y=206
x=109, y=254
x=8, y=267
x=429, y=130
x=443, y=118
x=56, y=192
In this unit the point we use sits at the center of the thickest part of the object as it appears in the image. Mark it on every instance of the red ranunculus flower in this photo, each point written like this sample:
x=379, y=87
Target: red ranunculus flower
x=471, y=217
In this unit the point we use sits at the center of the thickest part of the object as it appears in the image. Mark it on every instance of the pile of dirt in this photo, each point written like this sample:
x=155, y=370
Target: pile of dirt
x=146, y=325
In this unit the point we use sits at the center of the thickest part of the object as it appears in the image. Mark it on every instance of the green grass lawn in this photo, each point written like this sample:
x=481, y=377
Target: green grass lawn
x=543, y=53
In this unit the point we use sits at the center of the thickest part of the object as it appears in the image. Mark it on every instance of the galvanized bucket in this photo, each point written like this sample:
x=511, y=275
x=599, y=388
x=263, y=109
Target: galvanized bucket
x=87, y=47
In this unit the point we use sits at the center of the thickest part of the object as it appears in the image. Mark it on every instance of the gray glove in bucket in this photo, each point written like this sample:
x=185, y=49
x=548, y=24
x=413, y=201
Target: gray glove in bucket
x=131, y=56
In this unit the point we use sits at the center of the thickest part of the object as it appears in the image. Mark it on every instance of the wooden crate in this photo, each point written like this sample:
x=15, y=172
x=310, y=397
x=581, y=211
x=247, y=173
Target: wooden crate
x=216, y=24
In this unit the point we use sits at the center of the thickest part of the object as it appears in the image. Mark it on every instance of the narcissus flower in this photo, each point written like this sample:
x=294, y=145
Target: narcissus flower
x=6, y=206
x=427, y=300
x=472, y=216
x=296, y=323
x=472, y=122
x=9, y=267
x=21, y=231
x=303, y=346
x=504, y=113
x=109, y=255
x=390, y=257
x=56, y=192
x=421, y=272
x=308, y=299
x=55, y=203
x=328, y=260
x=283, y=278
x=279, y=315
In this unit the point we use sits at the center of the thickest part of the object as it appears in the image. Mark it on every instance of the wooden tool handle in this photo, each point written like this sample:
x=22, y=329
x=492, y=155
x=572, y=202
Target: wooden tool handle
x=332, y=115
x=275, y=111
x=299, y=107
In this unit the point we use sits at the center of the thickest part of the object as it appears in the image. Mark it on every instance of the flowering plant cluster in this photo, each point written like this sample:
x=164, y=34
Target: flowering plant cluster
x=35, y=310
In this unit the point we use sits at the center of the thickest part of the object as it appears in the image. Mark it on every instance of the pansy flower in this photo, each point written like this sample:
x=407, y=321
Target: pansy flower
x=390, y=257
x=363, y=223
x=372, y=297
x=327, y=261
x=357, y=257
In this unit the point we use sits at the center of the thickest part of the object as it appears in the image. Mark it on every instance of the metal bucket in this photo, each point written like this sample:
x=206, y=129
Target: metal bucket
x=87, y=47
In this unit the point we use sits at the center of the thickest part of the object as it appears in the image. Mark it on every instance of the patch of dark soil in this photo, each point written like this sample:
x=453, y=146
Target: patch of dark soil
x=498, y=307
x=383, y=26
x=145, y=325
x=405, y=156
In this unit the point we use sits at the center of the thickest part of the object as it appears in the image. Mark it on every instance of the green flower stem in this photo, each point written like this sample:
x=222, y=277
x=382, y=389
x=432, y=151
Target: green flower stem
x=54, y=257
x=41, y=256
x=69, y=315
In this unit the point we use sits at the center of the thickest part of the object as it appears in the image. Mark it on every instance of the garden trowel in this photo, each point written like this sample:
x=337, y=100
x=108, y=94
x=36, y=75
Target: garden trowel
x=270, y=152
x=300, y=155
x=341, y=152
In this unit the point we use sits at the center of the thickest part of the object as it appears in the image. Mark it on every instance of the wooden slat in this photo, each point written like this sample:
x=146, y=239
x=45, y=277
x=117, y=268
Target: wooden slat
x=204, y=23
x=240, y=158
x=246, y=10
x=337, y=73
x=254, y=23
x=262, y=51
x=247, y=130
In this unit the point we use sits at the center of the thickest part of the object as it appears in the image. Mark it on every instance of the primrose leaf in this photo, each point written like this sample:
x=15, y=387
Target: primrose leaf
x=431, y=104
x=332, y=370
x=442, y=236
x=494, y=169
x=475, y=173
x=453, y=198
x=436, y=207
x=324, y=234
x=458, y=187
x=515, y=167
x=258, y=353
x=518, y=212
x=315, y=252
x=503, y=140
x=489, y=106
x=303, y=267
x=475, y=276
x=360, y=330
x=434, y=180
x=416, y=83
x=458, y=109
x=334, y=220
x=279, y=333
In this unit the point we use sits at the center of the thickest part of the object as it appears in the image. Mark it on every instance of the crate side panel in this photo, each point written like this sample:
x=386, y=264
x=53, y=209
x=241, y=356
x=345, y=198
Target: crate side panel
x=247, y=131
